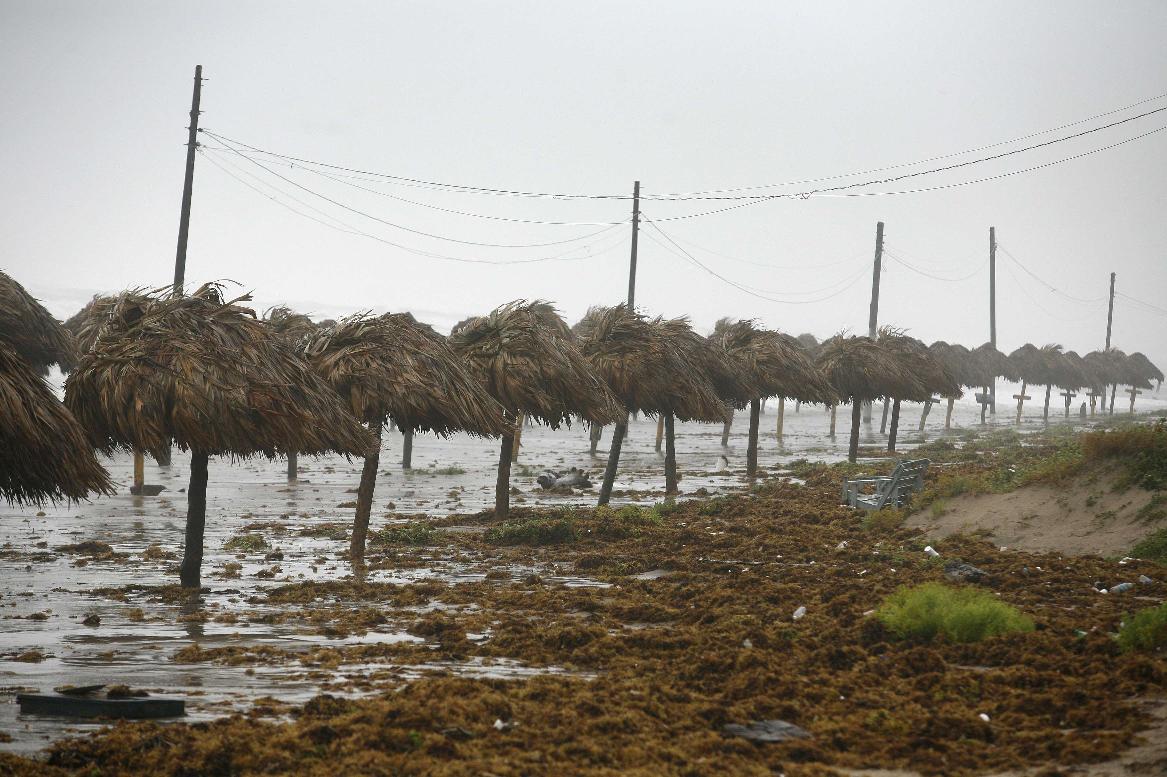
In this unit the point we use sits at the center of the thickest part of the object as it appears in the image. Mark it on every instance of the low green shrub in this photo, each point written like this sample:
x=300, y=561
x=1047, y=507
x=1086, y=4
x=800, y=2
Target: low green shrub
x=934, y=610
x=1154, y=510
x=539, y=530
x=245, y=543
x=1145, y=630
x=887, y=519
x=1142, y=451
x=411, y=533
x=1152, y=548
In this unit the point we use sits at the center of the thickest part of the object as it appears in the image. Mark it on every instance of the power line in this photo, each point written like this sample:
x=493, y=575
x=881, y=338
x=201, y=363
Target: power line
x=350, y=230
x=698, y=194
x=900, y=260
x=1045, y=283
x=765, y=265
x=1038, y=305
x=422, y=233
x=1146, y=305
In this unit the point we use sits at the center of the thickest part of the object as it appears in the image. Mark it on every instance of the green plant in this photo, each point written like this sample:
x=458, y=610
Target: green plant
x=1152, y=548
x=1145, y=630
x=1142, y=451
x=939, y=507
x=538, y=530
x=887, y=519
x=411, y=533
x=449, y=471
x=246, y=543
x=934, y=610
x=1154, y=510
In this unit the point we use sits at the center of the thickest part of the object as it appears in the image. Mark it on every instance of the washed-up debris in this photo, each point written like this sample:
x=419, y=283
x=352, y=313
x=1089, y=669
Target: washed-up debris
x=573, y=478
x=801, y=611
x=1145, y=580
x=1118, y=589
x=766, y=731
x=931, y=551
x=962, y=572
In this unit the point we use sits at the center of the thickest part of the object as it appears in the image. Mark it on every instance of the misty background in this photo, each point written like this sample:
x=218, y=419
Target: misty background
x=583, y=99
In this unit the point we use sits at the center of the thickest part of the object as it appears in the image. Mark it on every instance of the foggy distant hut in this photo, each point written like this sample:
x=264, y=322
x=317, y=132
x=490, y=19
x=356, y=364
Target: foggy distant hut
x=931, y=374
x=646, y=369
x=715, y=387
x=31, y=331
x=1031, y=367
x=861, y=370
x=1145, y=371
x=44, y=453
x=774, y=365
x=1102, y=368
x=992, y=364
x=523, y=354
x=391, y=366
x=294, y=329
x=1084, y=375
x=964, y=367
x=203, y=373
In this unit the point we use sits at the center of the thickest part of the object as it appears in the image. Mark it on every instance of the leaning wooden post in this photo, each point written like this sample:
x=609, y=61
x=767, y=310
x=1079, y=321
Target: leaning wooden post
x=293, y=465
x=1113, y=391
x=1134, y=392
x=139, y=472
x=594, y=435
x=660, y=431
x=834, y=409
x=781, y=417
x=407, y=448
x=927, y=409
x=725, y=430
x=895, y=425
x=856, y=418
x=797, y=405
x=518, y=439
x=670, y=457
x=948, y=415
x=1020, y=401
x=883, y=421
x=752, y=448
x=190, y=573
x=365, y=496
x=1069, y=395
x=1045, y=413
x=502, y=486
x=613, y=461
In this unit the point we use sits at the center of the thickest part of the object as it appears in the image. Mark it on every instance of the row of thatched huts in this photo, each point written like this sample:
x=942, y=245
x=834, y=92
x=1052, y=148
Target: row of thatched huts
x=148, y=370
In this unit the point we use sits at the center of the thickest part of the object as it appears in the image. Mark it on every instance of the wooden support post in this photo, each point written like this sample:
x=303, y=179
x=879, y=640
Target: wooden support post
x=797, y=405
x=856, y=419
x=139, y=472
x=1069, y=395
x=660, y=432
x=365, y=498
x=895, y=424
x=190, y=573
x=293, y=466
x=927, y=409
x=725, y=430
x=1113, y=391
x=518, y=439
x=948, y=415
x=883, y=421
x=670, y=457
x=1045, y=413
x=1020, y=401
x=594, y=433
x=407, y=448
x=1134, y=392
x=613, y=462
x=502, y=484
x=873, y=312
x=781, y=417
x=834, y=409
x=752, y=448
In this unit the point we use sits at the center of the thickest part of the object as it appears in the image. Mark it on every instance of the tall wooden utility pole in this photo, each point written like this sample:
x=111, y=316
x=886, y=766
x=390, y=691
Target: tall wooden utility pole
x=1109, y=322
x=873, y=317
x=993, y=311
x=621, y=427
x=188, y=184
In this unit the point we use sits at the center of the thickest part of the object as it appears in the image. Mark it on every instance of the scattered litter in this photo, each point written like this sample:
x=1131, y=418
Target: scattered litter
x=960, y=571
x=842, y=545
x=1145, y=580
x=931, y=551
x=983, y=717
x=799, y=612
x=766, y=731
x=746, y=643
x=1118, y=589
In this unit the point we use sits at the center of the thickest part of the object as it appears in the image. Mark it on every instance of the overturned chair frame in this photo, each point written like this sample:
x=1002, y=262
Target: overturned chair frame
x=895, y=490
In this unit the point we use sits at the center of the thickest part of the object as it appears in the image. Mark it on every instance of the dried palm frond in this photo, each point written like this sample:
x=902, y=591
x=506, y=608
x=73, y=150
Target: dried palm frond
x=520, y=355
x=87, y=324
x=30, y=330
x=293, y=327
x=44, y=453
x=205, y=374
x=393, y=366
x=809, y=343
x=932, y=374
x=715, y=384
x=961, y=364
x=776, y=364
x=860, y=369
x=1029, y=364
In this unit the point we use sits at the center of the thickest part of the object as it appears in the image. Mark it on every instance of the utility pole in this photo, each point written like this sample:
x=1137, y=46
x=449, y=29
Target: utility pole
x=188, y=184
x=873, y=318
x=619, y=430
x=1109, y=322
x=993, y=311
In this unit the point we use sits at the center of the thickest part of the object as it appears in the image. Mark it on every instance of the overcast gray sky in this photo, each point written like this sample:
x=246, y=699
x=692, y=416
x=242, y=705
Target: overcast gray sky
x=585, y=98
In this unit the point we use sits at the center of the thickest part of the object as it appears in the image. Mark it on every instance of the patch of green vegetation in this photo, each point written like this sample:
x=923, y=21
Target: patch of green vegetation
x=938, y=508
x=1141, y=449
x=887, y=519
x=1152, y=548
x=411, y=533
x=934, y=610
x=1145, y=630
x=246, y=543
x=535, y=530
x=627, y=521
x=1154, y=510
x=448, y=471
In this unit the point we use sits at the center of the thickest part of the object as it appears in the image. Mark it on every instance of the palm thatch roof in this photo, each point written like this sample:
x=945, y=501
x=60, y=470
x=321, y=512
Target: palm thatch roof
x=860, y=369
x=775, y=363
x=1030, y=365
x=30, y=330
x=646, y=369
x=809, y=343
x=89, y=323
x=1143, y=366
x=293, y=327
x=393, y=366
x=204, y=373
x=932, y=374
x=709, y=364
x=960, y=363
x=44, y=453
x=993, y=364
x=1085, y=371
x=520, y=354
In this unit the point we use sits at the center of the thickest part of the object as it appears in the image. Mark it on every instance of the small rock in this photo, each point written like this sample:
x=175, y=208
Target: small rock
x=499, y=725
x=801, y=611
x=983, y=717
x=766, y=731
x=961, y=572
x=1145, y=580
x=92, y=619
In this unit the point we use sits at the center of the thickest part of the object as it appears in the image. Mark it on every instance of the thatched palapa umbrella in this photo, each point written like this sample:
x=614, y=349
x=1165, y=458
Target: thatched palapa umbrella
x=1031, y=367
x=933, y=376
x=1144, y=371
x=774, y=365
x=294, y=329
x=31, y=331
x=523, y=354
x=962, y=366
x=861, y=370
x=44, y=454
x=391, y=366
x=992, y=364
x=204, y=374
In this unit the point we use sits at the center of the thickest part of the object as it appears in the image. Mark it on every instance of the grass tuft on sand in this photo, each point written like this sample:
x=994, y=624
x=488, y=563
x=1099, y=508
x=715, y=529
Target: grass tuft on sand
x=933, y=610
x=1146, y=630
